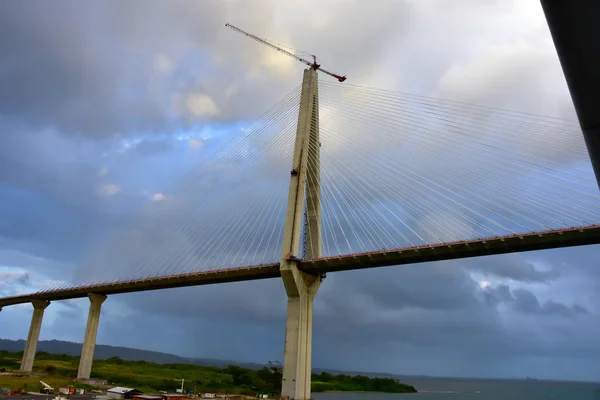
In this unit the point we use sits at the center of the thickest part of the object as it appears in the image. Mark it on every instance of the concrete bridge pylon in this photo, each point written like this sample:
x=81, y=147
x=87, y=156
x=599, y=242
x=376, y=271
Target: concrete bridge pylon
x=39, y=306
x=89, y=340
x=302, y=287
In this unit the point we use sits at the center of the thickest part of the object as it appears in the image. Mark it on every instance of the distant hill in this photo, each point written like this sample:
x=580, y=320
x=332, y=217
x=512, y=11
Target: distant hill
x=103, y=352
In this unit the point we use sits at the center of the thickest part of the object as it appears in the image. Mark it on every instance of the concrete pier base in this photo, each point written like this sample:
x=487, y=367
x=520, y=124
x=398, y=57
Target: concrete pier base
x=297, y=360
x=34, y=334
x=89, y=341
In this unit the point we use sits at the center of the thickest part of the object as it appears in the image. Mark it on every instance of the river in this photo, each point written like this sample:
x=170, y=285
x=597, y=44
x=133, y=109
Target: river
x=462, y=389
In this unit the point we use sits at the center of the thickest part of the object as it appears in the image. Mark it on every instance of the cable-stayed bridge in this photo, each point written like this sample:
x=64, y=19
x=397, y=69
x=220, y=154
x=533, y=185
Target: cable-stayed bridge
x=390, y=179
x=339, y=177
x=403, y=179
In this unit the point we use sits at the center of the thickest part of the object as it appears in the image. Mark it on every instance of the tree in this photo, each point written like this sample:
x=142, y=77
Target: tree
x=276, y=377
x=115, y=360
x=240, y=376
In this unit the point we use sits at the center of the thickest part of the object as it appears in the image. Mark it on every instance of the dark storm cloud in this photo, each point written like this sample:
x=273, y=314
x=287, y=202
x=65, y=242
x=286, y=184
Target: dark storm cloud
x=428, y=287
x=148, y=147
x=50, y=208
x=524, y=301
x=42, y=267
x=514, y=267
x=527, y=302
x=9, y=278
x=70, y=65
x=245, y=321
x=105, y=67
x=499, y=294
x=429, y=305
x=251, y=302
x=45, y=162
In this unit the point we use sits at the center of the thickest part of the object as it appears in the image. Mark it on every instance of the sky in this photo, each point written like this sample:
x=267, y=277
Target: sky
x=104, y=106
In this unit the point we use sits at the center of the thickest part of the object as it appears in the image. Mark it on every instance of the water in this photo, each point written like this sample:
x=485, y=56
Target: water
x=459, y=389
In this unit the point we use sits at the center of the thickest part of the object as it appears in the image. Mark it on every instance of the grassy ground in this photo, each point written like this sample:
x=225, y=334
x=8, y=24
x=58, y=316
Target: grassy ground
x=59, y=370
x=32, y=384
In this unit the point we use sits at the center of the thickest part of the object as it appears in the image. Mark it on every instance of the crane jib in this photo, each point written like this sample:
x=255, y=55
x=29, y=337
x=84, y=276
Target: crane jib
x=314, y=65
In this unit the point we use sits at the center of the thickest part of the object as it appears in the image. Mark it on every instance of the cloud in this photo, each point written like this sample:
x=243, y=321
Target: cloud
x=14, y=278
x=150, y=146
x=158, y=197
x=516, y=268
x=195, y=144
x=109, y=190
x=195, y=105
x=487, y=80
x=526, y=302
x=23, y=272
x=88, y=89
x=93, y=74
x=449, y=288
x=433, y=306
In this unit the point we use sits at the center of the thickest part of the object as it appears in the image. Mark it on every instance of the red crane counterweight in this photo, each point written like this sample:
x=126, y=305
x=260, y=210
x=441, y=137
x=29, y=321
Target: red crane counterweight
x=314, y=65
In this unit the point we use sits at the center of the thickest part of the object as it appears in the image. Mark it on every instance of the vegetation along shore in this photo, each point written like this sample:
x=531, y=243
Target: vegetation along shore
x=150, y=377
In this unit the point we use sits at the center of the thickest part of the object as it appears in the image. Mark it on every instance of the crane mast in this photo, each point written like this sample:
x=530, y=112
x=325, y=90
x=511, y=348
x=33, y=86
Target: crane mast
x=314, y=65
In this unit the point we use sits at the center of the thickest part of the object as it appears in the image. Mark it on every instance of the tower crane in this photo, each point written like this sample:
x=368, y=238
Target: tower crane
x=314, y=65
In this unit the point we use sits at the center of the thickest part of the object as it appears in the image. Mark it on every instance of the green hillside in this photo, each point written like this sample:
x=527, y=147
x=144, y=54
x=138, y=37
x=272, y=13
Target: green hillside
x=150, y=377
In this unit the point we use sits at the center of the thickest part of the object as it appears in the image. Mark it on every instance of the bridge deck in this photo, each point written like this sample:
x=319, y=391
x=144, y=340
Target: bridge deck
x=444, y=251
x=265, y=271
x=454, y=250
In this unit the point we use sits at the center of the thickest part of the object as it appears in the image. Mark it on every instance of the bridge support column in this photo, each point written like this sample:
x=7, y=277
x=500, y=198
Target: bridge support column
x=34, y=334
x=89, y=341
x=301, y=287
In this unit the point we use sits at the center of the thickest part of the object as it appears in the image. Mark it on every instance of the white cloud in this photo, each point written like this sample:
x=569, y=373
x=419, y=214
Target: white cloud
x=109, y=190
x=200, y=105
x=158, y=197
x=162, y=63
x=194, y=105
x=10, y=276
x=195, y=144
x=519, y=74
x=275, y=63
